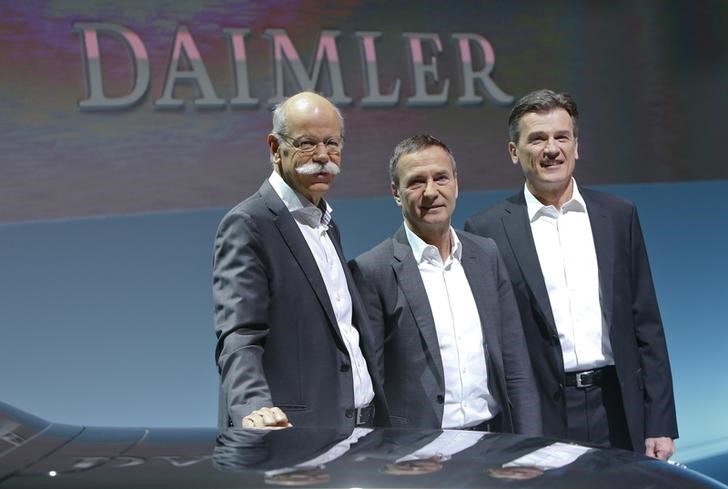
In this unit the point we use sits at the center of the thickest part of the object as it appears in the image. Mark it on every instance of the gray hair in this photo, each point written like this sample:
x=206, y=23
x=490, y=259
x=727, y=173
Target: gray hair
x=280, y=120
x=540, y=101
x=413, y=144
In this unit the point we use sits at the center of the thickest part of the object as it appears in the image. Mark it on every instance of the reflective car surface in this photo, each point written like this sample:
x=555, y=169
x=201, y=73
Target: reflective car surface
x=37, y=454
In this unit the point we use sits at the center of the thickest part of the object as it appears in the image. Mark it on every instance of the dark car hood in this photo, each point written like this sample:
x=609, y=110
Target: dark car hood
x=37, y=454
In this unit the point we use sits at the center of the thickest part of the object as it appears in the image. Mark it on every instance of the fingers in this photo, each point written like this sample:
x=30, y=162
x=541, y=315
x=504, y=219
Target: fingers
x=279, y=416
x=267, y=417
x=650, y=447
x=665, y=449
x=660, y=448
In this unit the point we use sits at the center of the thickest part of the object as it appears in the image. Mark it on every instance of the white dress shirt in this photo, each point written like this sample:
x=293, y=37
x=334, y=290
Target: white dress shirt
x=565, y=247
x=313, y=222
x=459, y=334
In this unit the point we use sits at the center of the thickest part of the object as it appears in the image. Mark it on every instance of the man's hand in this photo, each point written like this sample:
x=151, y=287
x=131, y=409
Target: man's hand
x=268, y=417
x=661, y=448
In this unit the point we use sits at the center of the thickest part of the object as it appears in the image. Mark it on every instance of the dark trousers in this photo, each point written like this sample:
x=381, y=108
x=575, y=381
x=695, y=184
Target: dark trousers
x=596, y=413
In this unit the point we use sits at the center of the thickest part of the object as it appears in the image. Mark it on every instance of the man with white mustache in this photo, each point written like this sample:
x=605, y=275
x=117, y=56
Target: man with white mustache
x=293, y=339
x=314, y=168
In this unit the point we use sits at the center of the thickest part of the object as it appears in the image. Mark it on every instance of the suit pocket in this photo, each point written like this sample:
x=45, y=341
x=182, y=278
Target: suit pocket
x=399, y=421
x=292, y=407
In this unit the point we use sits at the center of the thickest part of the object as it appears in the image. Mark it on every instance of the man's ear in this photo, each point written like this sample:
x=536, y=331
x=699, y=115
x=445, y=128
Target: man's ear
x=395, y=193
x=274, y=148
x=513, y=152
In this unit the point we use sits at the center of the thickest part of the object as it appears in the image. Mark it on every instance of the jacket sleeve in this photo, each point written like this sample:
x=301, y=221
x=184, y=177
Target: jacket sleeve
x=520, y=380
x=366, y=286
x=660, y=417
x=240, y=296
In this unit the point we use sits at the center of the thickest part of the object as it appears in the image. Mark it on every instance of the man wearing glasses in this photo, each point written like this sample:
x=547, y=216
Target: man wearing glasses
x=293, y=339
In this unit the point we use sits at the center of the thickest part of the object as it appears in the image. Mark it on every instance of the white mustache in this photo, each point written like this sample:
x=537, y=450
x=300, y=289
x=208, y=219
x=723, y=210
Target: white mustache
x=312, y=168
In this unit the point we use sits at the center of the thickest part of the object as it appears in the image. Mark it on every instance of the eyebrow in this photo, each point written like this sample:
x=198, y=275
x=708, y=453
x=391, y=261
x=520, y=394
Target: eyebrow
x=542, y=134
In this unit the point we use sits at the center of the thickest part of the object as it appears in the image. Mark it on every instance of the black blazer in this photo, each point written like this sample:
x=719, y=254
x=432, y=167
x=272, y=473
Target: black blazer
x=400, y=314
x=277, y=339
x=628, y=302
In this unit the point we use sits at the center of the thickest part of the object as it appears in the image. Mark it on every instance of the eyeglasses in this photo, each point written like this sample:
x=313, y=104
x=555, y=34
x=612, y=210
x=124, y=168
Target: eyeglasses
x=308, y=144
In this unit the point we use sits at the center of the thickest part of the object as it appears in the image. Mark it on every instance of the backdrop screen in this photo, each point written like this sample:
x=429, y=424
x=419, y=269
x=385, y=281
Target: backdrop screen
x=113, y=107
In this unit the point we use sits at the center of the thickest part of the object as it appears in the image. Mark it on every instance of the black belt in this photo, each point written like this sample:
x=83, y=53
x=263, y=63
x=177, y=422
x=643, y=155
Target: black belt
x=363, y=416
x=589, y=378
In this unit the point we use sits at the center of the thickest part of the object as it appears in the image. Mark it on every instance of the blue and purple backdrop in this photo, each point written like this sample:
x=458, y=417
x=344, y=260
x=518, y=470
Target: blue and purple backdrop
x=128, y=128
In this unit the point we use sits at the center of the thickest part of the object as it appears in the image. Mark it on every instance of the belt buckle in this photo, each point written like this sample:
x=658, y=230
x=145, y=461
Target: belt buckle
x=593, y=377
x=364, y=415
x=579, y=383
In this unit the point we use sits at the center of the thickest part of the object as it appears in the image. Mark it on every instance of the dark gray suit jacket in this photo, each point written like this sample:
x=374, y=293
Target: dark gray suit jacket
x=395, y=298
x=629, y=306
x=277, y=338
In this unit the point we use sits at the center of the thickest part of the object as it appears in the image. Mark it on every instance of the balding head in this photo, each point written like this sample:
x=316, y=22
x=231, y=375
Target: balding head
x=300, y=104
x=306, y=143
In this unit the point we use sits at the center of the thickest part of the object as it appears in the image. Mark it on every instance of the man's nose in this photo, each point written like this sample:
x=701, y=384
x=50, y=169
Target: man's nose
x=551, y=149
x=320, y=153
x=430, y=190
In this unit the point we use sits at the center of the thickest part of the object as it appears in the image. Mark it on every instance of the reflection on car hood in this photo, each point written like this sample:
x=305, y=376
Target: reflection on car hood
x=38, y=454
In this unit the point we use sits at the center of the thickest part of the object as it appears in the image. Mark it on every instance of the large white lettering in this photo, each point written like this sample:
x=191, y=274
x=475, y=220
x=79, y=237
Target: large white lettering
x=327, y=71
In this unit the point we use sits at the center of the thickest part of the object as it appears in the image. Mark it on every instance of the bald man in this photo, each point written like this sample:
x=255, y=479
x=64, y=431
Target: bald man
x=293, y=339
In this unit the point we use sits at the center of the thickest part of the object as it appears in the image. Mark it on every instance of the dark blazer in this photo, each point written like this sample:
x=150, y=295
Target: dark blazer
x=400, y=314
x=278, y=343
x=629, y=306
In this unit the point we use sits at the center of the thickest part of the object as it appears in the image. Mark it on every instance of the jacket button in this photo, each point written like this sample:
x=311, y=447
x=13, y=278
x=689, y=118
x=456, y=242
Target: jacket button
x=345, y=367
x=440, y=398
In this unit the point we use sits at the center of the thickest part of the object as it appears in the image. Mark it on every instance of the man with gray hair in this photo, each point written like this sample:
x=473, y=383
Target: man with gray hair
x=442, y=305
x=293, y=339
x=583, y=285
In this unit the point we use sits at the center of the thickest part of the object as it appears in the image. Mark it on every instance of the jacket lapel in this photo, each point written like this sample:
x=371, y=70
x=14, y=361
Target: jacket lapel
x=410, y=281
x=295, y=241
x=601, y=224
x=482, y=288
x=518, y=231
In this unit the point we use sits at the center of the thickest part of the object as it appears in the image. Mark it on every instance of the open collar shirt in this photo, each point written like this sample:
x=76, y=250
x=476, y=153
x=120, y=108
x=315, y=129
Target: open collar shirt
x=565, y=248
x=468, y=401
x=313, y=221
